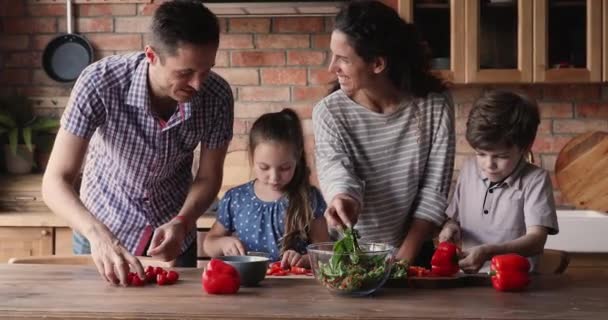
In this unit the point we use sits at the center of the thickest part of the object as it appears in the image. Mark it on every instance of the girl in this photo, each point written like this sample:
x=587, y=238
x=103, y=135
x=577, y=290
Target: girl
x=279, y=212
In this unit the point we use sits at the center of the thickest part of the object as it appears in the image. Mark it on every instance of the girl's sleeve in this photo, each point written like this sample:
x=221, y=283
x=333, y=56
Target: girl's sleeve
x=318, y=204
x=224, y=212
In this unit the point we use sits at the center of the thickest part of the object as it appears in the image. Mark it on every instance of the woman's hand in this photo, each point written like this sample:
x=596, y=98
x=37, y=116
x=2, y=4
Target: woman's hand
x=473, y=259
x=342, y=212
x=292, y=258
x=231, y=246
x=112, y=259
x=167, y=240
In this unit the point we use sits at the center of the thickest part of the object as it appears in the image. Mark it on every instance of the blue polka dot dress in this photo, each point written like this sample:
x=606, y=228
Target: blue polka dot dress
x=259, y=224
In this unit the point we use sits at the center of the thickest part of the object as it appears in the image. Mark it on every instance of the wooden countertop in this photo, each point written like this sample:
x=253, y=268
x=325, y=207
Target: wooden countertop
x=44, y=291
x=48, y=219
x=25, y=189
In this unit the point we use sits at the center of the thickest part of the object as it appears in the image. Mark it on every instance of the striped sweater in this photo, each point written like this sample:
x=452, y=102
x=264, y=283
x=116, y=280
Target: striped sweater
x=397, y=165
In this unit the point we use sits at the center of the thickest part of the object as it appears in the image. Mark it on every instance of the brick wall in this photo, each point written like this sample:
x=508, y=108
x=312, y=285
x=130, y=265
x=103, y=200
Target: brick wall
x=271, y=64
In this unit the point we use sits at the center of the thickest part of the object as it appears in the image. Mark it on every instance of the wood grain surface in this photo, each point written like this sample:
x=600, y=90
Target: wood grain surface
x=77, y=292
x=581, y=171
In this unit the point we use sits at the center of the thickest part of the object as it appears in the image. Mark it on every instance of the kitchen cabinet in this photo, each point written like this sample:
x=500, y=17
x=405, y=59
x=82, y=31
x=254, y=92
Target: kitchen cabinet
x=605, y=40
x=514, y=41
x=498, y=41
x=29, y=228
x=25, y=242
x=434, y=20
x=567, y=40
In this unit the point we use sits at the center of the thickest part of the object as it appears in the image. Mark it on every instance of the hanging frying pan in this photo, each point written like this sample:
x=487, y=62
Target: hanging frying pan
x=67, y=55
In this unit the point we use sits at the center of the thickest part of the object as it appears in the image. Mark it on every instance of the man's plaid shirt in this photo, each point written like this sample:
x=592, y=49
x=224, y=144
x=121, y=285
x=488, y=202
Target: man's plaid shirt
x=138, y=170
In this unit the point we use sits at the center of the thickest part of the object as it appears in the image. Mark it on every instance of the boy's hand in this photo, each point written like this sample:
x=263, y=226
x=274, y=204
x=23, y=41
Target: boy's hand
x=473, y=259
x=450, y=233
x=231, y=246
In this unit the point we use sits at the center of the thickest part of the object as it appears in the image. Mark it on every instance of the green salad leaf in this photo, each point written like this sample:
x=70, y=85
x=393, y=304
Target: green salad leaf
x=349, y=269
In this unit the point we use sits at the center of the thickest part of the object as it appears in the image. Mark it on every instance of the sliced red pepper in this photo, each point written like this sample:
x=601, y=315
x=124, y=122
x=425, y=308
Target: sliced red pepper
x=445, y=259
x=220, y=278
x=415, y=271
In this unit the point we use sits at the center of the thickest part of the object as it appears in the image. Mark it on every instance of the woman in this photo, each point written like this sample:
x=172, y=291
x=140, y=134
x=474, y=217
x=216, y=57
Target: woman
x=385, y=138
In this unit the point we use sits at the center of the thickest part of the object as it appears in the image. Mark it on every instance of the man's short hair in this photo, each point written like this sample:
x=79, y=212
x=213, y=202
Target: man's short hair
x=180, y=22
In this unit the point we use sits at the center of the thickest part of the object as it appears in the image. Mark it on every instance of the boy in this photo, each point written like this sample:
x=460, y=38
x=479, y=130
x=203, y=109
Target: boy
x=502, y=203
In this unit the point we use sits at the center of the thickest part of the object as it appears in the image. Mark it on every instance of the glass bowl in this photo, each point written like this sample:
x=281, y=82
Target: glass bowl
x=351, y=274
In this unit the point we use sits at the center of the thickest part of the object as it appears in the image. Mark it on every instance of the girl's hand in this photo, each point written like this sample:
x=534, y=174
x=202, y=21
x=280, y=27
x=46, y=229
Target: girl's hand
x=473, y=259
x=232, y=246
x=292, y=258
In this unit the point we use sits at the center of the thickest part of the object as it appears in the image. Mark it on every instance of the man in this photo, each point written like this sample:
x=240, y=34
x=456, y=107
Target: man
x=141, y=115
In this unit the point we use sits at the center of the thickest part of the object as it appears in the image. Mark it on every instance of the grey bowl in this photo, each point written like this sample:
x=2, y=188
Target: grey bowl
x=252, y=269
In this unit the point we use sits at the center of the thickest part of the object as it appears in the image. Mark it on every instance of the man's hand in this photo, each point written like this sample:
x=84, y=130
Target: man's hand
x=473, y=259
x=342, y=212
x=113, y=261
x=232, y=246
x=167, y=240
x=450, y=233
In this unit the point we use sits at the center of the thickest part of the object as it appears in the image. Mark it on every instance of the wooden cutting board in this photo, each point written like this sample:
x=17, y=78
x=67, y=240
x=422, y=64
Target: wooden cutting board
x=581, y=171
x=459, y=280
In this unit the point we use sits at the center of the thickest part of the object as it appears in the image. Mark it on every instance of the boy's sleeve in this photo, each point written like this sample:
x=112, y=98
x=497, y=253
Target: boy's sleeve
x=431, y=200
x=539, y=204
x=318, y=204
x=224, y=212
x=85, y=110
x=334, y=165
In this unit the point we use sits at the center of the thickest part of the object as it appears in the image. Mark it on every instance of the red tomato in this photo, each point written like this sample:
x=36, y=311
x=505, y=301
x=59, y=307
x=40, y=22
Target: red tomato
x=158, y=270
x=161, y=279
x=150, y=276
x=172, y=277
x=149, y=269
x=137, y=281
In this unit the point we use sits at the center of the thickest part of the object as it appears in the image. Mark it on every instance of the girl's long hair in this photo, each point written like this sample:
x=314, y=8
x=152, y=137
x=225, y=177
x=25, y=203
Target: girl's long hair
x=285, y=127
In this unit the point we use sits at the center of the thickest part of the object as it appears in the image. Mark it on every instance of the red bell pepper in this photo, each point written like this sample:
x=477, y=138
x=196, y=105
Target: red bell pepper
x=220, y=278
x=510, y=272
x=444, y=262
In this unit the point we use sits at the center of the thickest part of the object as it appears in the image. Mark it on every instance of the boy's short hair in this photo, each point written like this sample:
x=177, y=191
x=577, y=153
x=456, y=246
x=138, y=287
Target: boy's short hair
x=502, y=119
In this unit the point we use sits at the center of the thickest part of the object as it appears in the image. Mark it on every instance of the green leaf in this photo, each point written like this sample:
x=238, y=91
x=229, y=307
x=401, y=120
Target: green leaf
x=27, y=138
x=12, y=140
x=7, y=121
x=44, y=124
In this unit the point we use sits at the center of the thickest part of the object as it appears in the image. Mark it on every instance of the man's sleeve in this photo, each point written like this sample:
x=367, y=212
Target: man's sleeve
x=221, y=132
x=85, y=110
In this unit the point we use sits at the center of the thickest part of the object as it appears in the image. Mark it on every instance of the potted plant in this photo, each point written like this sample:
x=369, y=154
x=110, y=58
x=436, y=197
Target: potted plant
x=19, y=126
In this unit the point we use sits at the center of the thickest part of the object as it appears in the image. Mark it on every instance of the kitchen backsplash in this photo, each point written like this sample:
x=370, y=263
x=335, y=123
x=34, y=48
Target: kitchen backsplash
x=271, y=63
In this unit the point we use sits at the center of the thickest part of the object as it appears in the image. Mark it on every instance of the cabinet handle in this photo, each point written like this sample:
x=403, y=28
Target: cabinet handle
x=25, y=198
x=44, y=233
